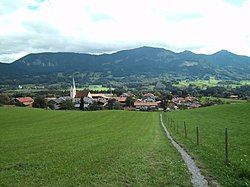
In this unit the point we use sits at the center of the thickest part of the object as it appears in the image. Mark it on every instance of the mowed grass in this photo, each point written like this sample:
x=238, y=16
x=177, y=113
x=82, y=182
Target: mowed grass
x=224, y=100
x=70, y=148
x=212, y=122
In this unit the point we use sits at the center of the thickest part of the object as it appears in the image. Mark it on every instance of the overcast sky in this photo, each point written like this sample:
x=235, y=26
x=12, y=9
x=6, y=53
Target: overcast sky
x=104, y=26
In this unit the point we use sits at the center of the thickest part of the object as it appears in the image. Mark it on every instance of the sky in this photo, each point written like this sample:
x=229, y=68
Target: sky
x=105, y=26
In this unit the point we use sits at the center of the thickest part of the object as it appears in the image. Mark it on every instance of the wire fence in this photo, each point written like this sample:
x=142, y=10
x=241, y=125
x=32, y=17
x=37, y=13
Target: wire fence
x=180, y=127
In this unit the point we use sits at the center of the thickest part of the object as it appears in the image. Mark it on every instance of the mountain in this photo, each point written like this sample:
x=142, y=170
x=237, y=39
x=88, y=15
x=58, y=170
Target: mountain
x=143, y=61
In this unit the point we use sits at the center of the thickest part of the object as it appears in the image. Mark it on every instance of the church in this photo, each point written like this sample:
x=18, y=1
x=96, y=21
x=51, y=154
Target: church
x=76, y=96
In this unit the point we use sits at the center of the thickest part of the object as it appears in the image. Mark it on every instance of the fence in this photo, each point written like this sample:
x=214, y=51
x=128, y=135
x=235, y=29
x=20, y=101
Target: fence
x=175, y=126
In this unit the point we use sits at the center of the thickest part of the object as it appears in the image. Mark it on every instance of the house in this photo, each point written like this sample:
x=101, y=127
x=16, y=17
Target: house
x=128, y=94
x=190, y=99
x=122, y=100
x=141, y=105
x=56, y=102
x=195, y=105
x=233, y=97
x=178, y=100
x=149, y=97
x=24, y=101
x=102, y=98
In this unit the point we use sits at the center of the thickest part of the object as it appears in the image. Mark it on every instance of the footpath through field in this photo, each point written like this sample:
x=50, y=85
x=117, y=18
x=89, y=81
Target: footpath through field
x=198, y=179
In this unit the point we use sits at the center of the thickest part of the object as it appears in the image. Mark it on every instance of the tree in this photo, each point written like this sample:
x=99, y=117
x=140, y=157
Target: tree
x=95, y=106
x=110, y=104
x=169, y=96
x=117, y=106
x=4, y=99
x=40, y=102
x=129, y=102
x=113, y=104
x=81, y=104
x=67, y=105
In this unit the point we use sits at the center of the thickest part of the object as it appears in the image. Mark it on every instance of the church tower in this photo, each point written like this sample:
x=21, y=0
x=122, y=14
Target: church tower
x=73, y=89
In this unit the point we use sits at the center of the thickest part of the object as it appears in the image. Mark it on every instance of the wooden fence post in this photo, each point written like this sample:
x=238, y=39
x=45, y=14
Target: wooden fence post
x=197, y=136
x=226, y=146
x=185, y=130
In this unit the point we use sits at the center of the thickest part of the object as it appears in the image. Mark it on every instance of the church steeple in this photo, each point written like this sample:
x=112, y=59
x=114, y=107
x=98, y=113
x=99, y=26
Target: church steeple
x=73, y=89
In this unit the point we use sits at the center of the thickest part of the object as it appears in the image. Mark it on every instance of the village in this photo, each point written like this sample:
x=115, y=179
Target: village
x=85, y=100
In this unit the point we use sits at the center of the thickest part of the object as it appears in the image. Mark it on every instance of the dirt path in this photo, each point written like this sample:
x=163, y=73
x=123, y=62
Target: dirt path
x=198, y=179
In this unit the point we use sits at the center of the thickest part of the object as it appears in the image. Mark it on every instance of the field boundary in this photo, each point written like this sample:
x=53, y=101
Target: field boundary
x=198, y=180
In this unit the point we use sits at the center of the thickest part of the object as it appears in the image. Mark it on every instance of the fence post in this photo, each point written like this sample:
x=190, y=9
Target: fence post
x=197, y=136
x=185, y=129
x=226, y=146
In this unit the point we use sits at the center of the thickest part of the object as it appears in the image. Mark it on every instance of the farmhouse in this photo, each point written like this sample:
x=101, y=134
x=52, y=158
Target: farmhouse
x=24, y=101
x=56, y=102
x=149, y=97
x=102, y=98
x=233, y=96
x=121, y=100
x=147, y=105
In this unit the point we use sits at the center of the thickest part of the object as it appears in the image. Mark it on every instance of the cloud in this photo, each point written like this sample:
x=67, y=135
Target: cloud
x=30, y=26
x=235, y=2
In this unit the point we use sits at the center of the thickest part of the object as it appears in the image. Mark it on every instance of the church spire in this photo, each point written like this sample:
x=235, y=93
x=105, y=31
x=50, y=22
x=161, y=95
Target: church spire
x=73, y=89
x=74, y=84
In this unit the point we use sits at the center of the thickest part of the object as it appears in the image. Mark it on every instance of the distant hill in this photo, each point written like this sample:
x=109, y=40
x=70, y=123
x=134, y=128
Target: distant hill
x=146, y=61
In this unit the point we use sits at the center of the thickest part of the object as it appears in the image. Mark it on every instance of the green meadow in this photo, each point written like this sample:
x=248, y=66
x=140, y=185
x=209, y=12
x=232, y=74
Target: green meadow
x=199, y=83
x=209, y=154
x=212, y=82
x=71, y=148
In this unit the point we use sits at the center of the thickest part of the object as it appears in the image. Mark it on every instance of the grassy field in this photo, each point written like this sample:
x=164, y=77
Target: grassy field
x=70, y=148
x=99, y=88
x=199, y=83
x=210, y=153
x=212, y=82
x=224, y=100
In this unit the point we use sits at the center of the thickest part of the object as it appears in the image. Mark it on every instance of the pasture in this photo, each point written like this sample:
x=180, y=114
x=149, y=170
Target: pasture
x=209, y=154
x=70, y=148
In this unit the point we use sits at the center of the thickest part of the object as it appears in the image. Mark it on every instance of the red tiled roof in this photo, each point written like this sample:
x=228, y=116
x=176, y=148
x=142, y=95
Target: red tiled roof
x=25, y=100
x=149, y=95
x=83, y=93
x=122, y=99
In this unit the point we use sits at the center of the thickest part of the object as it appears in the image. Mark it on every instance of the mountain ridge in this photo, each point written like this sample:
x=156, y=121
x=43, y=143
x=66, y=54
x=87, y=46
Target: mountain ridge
x=146, y=61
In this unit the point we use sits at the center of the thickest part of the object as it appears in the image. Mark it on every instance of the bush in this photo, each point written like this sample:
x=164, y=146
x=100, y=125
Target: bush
x=95, y=106
x=40, y=102
x=67, y=105
x=4, y=99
